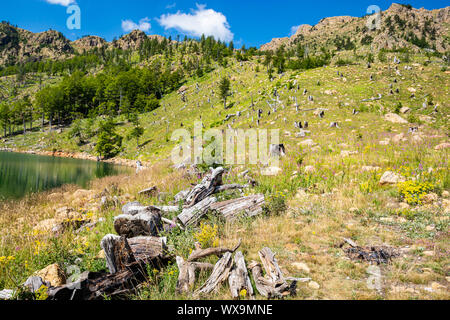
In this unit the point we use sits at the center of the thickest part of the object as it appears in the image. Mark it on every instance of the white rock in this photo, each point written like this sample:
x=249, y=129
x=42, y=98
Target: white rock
x=390, y=177
x=394, y=118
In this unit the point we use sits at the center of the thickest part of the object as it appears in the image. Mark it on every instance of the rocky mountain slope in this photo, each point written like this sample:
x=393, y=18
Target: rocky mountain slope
x=400, y=26
x=18, y=45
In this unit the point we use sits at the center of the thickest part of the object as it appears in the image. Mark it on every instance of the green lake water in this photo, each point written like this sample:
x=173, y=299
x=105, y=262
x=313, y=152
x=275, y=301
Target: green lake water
x=22, y=174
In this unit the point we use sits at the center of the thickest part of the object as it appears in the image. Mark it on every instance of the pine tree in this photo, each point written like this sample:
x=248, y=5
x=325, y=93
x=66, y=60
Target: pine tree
x=224, y=90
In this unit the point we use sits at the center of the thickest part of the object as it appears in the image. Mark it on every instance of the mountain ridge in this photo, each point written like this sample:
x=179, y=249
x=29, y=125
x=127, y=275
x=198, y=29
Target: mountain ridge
x=401, y=26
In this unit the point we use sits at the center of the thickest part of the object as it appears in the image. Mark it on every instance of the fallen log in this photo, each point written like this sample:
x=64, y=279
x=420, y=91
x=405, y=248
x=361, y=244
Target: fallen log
x=187, y=274
x=270, y=265
x=205, y=188
x=247, y=206
x=219, y=275
x=121, y=252
x=200, y=253
x=266, y=287
x=230, y=187
x=239, y=279
x=191, y=216
x=273, y=285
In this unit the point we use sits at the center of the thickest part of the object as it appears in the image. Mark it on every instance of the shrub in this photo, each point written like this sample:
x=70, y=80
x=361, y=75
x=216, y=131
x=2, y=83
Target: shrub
x=412, y=192
x=207, y=235
x=276, y=204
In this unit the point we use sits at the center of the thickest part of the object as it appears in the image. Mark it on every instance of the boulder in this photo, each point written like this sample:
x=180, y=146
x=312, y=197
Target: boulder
x=308, y=143
x=300, y=266
x=430, y=198
x=390, y=177
x=394, y=118
x=45, y=225
x=271, y=171
x=34, y=283
x=314, y=285
x=442, y=146
x=53, y=274
x=405, y=110
x=399, y=138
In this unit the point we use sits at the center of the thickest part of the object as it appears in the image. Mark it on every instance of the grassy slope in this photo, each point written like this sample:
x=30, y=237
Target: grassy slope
x=340, y=199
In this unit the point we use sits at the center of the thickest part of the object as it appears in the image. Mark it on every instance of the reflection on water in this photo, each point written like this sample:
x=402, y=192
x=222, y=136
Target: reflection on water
x=21, y=174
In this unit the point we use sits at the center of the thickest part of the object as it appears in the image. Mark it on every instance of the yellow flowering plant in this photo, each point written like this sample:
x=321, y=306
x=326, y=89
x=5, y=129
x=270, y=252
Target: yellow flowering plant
x=412, y=192
x=207, y=235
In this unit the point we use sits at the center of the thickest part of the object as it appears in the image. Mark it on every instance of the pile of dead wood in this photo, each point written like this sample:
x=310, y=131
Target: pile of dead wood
x=234, y=270
x=373, y=254
x=139, y=246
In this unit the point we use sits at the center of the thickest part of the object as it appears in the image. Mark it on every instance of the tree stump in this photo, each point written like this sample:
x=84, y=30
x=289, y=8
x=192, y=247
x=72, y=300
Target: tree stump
x=239, y=279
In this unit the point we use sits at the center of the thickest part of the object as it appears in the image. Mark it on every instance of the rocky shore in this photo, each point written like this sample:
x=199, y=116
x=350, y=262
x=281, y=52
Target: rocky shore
x=77, y=155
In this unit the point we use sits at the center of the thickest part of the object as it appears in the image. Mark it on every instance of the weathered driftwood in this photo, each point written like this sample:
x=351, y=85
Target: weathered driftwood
x=187, y=274
x=270, y=265
x=239, y=279
x=200, y=253
x=248, y=206
x=266, y=287
x=205, y=188
x=190, y=216
x=219, y=275
x=121, y=252
x=273, y=285
x=146, y=222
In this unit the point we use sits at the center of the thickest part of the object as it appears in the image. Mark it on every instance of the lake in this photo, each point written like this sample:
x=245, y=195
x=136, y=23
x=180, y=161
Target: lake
x=22, y=174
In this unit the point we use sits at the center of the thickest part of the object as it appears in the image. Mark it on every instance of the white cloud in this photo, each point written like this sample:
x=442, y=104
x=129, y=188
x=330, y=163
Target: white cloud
x=200, y=21
x=293, y=30
x=64, y=3
x=171, y=6
x=129, y=25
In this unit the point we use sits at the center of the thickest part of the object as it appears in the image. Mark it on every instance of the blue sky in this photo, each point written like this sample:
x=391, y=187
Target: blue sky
x=249, y=22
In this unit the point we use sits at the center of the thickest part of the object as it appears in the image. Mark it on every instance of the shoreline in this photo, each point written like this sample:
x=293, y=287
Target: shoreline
x=77, y=155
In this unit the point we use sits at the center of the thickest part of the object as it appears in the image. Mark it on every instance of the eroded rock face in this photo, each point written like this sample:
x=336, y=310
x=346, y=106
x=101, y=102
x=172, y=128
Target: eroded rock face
x=88, y=43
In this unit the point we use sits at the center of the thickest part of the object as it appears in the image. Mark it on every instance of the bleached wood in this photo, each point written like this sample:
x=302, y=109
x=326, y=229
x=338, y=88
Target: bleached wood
x=219, y=275
x=248, y=206
x=191, y=216
x=239, y=279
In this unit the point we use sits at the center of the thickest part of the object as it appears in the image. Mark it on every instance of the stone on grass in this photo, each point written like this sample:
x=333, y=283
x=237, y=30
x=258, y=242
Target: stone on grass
x=314, y=285
x=442, y=146
x=394, y=118
x=271, y=171
x=390, y=177
x=300, y=266
x=53, y=274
